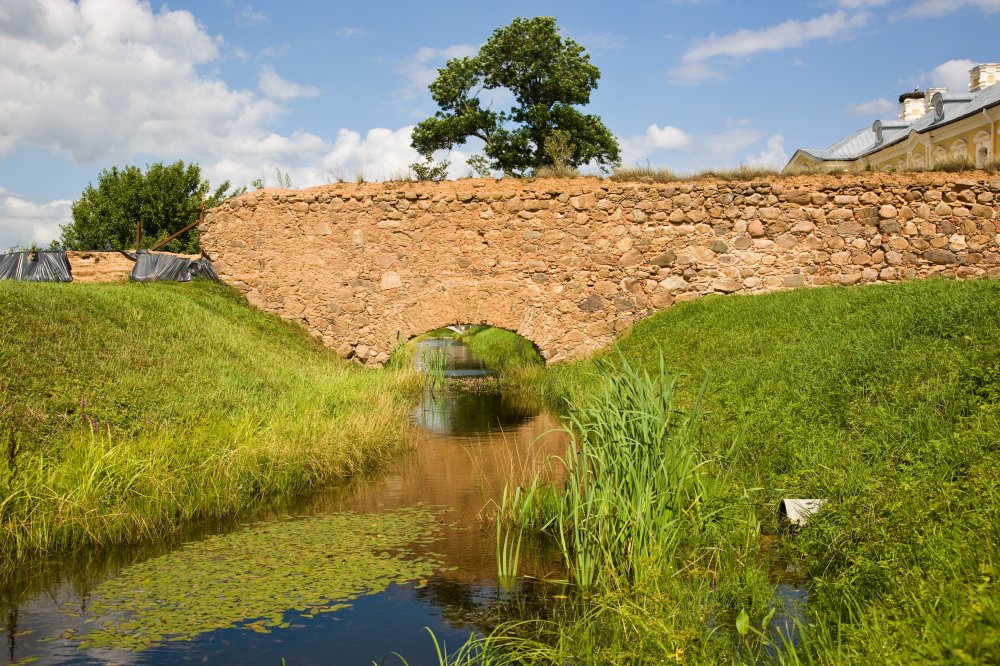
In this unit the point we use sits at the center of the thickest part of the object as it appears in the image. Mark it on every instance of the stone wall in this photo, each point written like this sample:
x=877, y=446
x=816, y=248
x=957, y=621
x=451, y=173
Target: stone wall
x=99, y=266
x=570, y=263
x=105, y=266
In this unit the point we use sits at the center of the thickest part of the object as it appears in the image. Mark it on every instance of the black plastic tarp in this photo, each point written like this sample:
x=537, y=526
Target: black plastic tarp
x=41, y=266
x=157, y=267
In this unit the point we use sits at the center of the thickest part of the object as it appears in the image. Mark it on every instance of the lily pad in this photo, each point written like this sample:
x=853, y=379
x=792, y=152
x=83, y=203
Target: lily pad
x=254, y=577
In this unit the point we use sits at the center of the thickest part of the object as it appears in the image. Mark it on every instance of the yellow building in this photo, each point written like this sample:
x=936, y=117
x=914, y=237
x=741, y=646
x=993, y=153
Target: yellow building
x=934, y=126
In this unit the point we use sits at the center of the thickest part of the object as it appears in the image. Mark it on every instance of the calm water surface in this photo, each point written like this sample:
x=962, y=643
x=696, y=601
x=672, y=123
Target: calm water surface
x=467, y=445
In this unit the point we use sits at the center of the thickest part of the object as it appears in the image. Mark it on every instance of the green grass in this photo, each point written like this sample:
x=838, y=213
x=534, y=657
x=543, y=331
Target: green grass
x=884, y=400
x=503, y=351
x=126, y=410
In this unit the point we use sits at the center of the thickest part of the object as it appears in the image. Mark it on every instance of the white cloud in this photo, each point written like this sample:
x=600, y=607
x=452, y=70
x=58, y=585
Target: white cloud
x=693, y=74
x=745, y=43
x=935, y=8
x=381, y=154
x=596, y=40
x=275, y=87
x=953, y=75
x=862, y=4
x=728, y=142
x=773, y=155
x=872, y=107
x=654, y=138
x=247, y=15
x=420, y=69
x=23, y=221
x=106, y=79
x=350, y=32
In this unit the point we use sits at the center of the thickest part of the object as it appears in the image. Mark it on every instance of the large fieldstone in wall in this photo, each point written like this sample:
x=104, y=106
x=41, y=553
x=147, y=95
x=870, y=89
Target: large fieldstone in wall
x=571, y=263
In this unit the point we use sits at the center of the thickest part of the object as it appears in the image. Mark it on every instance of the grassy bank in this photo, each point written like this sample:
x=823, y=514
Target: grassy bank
x=503, y=351
x=882, y=400
x=126, y=410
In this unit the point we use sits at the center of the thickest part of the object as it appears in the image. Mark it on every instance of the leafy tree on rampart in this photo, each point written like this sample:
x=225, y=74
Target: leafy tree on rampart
x=165, y=198
x=548, y=76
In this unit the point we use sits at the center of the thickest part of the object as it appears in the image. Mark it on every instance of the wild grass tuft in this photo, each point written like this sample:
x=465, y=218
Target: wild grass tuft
x=554, y=171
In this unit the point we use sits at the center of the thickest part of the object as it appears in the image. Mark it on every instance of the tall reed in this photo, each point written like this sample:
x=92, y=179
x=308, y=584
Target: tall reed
x=634, y=481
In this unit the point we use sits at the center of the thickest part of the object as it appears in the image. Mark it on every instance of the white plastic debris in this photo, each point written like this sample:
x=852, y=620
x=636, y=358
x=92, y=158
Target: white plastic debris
x=797, y=511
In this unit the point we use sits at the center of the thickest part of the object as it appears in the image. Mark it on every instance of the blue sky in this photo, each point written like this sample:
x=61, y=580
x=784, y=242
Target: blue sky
x=324, y=90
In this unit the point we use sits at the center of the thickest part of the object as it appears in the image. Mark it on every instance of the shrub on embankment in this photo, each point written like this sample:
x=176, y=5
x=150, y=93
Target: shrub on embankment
x=126, y=410
x=883, y=400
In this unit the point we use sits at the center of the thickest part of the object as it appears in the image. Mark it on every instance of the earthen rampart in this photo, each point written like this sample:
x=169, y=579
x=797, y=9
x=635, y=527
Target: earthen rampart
x=570, y=263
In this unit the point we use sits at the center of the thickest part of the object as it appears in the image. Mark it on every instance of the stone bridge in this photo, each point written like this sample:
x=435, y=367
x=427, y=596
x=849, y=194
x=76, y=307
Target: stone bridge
x=569, y=264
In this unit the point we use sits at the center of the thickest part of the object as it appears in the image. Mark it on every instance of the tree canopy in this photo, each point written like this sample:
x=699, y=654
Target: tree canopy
x=548, y=76
x=165, y=199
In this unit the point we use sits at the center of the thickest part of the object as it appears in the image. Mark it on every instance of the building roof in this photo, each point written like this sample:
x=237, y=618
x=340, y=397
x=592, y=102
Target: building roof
x=864, y=141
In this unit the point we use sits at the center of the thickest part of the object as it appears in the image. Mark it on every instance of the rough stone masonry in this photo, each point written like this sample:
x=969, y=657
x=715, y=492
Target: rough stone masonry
x=569, y=263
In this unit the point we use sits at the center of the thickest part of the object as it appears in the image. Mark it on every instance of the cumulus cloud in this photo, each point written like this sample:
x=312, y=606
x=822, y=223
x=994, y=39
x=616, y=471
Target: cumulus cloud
x=953, y=75
x=23, y=221
x=275, y=87
x=872, y=107
x=745, y=43
x=773, y=155
x=936, y=8
x=105, y=81
x=636, y=147
x=727, y=143
x=420, y=68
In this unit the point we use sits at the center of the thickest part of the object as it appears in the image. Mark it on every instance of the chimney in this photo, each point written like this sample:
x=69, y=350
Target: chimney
x=984, y=76
x=930, y=94
x=911, y=105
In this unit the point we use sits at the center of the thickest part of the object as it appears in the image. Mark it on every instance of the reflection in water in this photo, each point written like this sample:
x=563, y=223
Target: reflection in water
x=459, y=361
x=465, y=414
x=467, y=446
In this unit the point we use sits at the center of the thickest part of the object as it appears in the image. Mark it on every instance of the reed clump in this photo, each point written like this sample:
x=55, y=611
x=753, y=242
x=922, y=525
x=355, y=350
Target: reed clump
x=634, y=487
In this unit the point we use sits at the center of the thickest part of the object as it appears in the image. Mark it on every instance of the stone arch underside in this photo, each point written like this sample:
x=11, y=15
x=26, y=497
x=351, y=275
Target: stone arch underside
x=492, y=302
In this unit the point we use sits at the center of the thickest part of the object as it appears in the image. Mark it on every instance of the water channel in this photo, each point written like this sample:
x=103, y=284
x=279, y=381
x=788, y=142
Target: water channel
x=466, y=446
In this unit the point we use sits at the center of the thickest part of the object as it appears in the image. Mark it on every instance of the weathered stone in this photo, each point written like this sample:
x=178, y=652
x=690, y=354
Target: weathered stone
x=631, y=258
x=719, y=246
x=584, y=201
x=801, y=197
x=940, y=256
x=673, y=283
x=889, y=226
x=390, y=280
x=664, y=259
x=742, y=242
x=887, y=211
x=593, y=303
x=726, y=285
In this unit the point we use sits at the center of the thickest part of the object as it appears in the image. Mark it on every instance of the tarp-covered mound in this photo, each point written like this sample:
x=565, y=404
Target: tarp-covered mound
x=156, y=267
x=41, y=266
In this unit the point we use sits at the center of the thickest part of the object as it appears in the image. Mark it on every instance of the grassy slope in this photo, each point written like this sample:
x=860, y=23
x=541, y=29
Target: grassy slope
x=501, y=350
x=882, y=399
x=203, y=406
